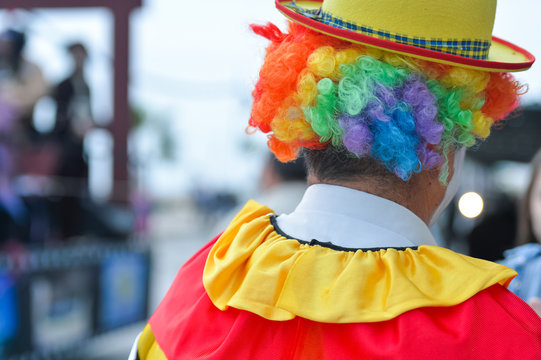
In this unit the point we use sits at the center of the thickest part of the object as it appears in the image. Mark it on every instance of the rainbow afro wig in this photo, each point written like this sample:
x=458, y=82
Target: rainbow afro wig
x=316, y=91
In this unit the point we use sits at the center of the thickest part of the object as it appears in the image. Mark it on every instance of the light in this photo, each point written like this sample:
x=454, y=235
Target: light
x=470, y=205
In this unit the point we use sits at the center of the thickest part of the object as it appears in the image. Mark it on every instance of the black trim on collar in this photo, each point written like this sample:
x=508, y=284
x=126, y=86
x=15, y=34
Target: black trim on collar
x=329, y=245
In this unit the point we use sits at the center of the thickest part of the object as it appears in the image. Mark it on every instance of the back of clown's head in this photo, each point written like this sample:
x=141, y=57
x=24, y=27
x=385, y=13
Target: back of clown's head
x=390, y=123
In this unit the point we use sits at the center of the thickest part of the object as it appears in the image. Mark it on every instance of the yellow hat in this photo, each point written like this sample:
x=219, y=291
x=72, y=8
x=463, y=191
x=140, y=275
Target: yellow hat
x=457, y=32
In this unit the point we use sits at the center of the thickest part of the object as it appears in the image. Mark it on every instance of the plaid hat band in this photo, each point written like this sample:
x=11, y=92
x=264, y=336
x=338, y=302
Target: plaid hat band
x=470, y=48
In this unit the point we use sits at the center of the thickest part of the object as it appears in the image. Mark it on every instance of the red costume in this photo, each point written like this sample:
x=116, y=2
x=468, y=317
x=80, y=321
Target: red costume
x=490, y=323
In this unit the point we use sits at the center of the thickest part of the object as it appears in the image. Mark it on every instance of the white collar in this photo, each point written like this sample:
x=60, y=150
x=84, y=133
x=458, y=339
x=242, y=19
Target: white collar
x=353, y=219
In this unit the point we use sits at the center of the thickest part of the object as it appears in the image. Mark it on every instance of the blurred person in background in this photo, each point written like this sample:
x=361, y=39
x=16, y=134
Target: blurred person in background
x=73, y=121
x=526, y=258
x=354, y=272
x=21, y=86
x=282, y=186
x=499, y=224
x=74, y=111
x=14, y=219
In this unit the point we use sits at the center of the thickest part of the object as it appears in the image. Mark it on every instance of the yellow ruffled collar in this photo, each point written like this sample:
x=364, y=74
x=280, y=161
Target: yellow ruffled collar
x=253, y=268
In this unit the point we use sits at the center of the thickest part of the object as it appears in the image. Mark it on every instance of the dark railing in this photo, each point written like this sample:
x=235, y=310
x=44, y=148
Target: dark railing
x=54, y=301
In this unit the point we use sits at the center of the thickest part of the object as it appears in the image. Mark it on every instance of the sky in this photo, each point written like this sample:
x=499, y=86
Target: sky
x=193, y=65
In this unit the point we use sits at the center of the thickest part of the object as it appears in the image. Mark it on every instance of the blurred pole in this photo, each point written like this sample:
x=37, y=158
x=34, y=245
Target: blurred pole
x=120, y=126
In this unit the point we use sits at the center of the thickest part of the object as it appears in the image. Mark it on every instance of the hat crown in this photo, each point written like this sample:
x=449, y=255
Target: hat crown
x=430, y=19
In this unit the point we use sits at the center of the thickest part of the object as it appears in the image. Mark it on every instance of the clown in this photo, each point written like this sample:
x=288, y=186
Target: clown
x=382, y=98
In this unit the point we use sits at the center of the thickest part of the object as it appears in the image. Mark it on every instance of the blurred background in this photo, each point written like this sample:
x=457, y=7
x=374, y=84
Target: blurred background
x=123, y=150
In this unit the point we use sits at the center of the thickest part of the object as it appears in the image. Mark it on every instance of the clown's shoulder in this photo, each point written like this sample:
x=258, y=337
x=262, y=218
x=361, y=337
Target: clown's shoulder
x=211, y=312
